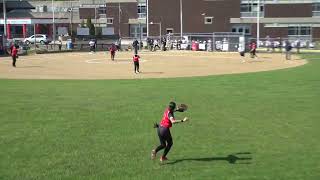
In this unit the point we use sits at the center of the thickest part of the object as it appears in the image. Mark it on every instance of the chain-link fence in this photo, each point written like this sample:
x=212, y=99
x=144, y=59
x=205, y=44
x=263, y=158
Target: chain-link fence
x=278, y=44
x=200, y=41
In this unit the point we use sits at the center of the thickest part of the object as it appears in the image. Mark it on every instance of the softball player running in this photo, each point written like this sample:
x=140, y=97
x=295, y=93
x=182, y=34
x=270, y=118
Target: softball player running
x=163, y=130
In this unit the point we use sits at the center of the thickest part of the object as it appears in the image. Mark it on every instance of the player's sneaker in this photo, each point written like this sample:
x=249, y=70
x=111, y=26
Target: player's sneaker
x=153, y=154
x=163, y=158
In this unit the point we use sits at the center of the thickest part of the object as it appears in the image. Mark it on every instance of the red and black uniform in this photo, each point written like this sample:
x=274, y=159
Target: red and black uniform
x=136, y=63
x=14, y=55
x=164, y=132
x=253, y=47
x=112, y=52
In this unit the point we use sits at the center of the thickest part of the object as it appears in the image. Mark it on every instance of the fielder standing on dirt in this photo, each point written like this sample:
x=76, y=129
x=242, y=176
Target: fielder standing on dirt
x=14, y=54
x=112, y=50
x=163, y=129
x=136, y=59
x=253, y=49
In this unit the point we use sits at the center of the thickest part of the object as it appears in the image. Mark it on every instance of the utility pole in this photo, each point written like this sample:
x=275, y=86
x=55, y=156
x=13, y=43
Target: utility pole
x=147, y=4
x=258, y=25
x=119, y=10
x=140, y=33
x=4, y=18
x=71, y=18
x=181, y=20
x=95, y=17
x=54, y=27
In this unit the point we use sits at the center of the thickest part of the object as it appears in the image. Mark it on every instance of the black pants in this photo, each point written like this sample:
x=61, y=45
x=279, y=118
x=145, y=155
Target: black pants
x=253, y=53
x=135, y=50
x=136, y=66
x=14, y=59
x=165, y=140
x=112, y=55
x=92, y=49
x=164, y=46
x=154, y=48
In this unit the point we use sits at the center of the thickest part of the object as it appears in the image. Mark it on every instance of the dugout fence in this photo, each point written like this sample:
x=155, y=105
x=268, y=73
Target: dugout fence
x=219, y=41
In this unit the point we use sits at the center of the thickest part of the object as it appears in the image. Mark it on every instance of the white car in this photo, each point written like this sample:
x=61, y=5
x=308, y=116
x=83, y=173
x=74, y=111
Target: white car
x=39, y=38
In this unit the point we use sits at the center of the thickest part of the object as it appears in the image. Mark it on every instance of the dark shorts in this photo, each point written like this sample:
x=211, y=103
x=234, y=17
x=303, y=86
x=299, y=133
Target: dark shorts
x=164, y=134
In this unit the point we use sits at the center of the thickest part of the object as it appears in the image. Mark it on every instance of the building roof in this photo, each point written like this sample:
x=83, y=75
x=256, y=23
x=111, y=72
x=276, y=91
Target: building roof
x=35, y=15
x=18, y=5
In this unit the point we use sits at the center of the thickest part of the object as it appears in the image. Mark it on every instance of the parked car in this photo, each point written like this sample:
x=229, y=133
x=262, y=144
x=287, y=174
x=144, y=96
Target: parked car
x=39, y=38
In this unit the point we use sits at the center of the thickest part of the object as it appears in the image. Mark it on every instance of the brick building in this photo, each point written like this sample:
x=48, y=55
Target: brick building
x=128, y=18
x=278, y=18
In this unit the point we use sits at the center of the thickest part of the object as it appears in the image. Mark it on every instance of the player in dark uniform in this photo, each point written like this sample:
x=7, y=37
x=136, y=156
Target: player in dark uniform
x=164, y=131
x=288, y=48
x=135, y=46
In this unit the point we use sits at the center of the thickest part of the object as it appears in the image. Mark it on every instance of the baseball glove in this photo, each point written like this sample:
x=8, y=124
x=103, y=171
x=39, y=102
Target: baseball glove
x=182, y=107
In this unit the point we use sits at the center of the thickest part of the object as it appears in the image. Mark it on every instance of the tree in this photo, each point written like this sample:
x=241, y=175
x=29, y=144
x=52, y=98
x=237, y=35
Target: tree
x=90, y=26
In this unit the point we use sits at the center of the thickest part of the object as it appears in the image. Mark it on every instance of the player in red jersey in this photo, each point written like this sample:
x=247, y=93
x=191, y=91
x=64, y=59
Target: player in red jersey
x=14, y=55
x=112, y=50
x=136, y=63
x=164, y=131
x=253, y=48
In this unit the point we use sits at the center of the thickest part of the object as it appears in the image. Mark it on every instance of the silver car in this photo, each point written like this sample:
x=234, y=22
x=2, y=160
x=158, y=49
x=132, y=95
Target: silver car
x=38, y=38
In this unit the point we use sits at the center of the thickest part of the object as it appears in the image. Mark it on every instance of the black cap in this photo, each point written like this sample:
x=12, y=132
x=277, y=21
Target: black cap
x=172, y=106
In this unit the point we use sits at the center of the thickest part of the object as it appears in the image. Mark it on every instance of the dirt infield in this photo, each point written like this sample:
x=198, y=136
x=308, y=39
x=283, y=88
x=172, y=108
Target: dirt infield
x=77, y=65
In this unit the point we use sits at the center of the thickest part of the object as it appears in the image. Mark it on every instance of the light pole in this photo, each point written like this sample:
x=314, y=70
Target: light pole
x=71, y=17
x=258, y=24
x=95, y=19
x=119, y=14
x=181, y=20
x=53, y=26
x=147, y=4
x=4, y=18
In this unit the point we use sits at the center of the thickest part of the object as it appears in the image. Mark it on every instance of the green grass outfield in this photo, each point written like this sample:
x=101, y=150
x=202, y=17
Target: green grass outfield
x=249, y=126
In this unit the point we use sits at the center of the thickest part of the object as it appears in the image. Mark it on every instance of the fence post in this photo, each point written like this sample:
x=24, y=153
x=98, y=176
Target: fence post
x=213, y=43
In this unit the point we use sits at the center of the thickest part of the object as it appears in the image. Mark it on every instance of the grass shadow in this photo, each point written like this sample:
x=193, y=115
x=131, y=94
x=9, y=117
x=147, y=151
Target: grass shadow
x=232, y=159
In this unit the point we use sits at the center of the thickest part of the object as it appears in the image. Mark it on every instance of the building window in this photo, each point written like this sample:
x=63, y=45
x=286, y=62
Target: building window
x=305, y=31
x=234, y=30
x=137, y=30
x=245, y=8
x=251, y=9
x=142, y=11
x=241, y=29
x=316, y=9
x=109, y=20
x=247, y=30
x=102, y=10
x=299, y=31
x=169, y=30
x=208, y=20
